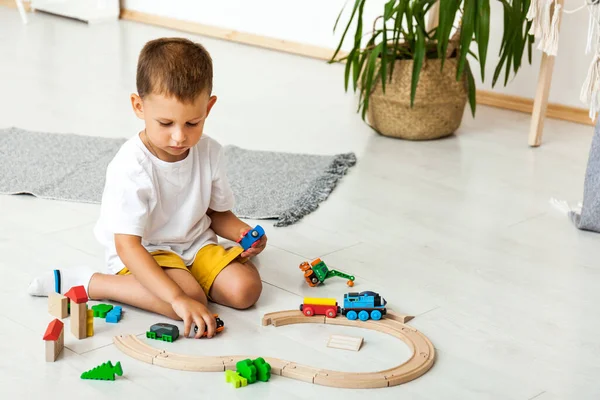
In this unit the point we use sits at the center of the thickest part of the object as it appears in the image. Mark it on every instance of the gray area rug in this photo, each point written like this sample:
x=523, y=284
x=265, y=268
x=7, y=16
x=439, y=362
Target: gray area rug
x=267, y=185
x=589, y=217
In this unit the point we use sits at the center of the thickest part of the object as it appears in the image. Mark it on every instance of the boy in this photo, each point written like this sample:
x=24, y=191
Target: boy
x=166, y=199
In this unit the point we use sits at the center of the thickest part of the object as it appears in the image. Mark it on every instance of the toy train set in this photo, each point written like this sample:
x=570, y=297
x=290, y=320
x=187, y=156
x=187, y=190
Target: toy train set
x=364, y=305
x=358, y=308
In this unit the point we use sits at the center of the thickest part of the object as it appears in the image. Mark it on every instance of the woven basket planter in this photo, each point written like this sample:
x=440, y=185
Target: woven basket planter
x=439, y=103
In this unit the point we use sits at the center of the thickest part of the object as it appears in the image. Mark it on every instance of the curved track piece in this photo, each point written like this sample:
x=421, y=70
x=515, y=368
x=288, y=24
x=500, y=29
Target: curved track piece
x=422, y=359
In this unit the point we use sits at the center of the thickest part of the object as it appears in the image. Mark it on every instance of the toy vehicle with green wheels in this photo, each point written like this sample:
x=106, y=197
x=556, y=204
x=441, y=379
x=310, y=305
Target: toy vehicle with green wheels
x=164, y=332
x=317, y=271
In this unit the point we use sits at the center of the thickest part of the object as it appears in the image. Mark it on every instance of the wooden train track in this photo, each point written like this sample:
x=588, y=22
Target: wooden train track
x=421, y=360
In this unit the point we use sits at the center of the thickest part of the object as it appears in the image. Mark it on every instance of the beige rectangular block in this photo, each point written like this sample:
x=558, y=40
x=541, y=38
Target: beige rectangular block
x=50, y=350
x=54, y=347
x=60, y=344
x=345, y=342
x=57, y=305
x=79, y=320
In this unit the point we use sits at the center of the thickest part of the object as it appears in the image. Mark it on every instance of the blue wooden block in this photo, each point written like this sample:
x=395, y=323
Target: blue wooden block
x=251, y=237
x=114, y=315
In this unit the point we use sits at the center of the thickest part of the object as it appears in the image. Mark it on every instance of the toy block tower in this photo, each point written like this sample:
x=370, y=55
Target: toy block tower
x=79, y=299
x=54, y=338
x=57, y=305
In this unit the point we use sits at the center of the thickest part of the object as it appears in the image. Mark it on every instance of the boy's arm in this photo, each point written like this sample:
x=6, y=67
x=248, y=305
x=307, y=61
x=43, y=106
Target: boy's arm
x=145, y=269
x=150, y=275
x=227, y=225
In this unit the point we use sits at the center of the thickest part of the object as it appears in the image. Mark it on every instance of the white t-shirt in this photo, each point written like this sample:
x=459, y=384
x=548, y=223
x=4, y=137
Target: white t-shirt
x=164, y=203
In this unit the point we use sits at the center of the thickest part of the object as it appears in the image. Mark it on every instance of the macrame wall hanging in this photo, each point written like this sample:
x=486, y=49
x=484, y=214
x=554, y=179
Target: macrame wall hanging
x=545, y=15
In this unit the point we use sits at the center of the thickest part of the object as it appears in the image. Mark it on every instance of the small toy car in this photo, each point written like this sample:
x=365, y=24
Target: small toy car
x=164, y=332
x=220, y=326
x=251, y=237
x=317, y=271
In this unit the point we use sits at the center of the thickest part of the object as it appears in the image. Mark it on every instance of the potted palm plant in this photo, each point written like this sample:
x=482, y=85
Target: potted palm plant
x=413, y=77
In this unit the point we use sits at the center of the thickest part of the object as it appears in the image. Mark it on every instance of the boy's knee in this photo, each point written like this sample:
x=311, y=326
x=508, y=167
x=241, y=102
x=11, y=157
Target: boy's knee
x=245, y=293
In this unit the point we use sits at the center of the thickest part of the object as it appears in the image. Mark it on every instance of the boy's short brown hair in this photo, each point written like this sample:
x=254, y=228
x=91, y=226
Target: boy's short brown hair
x=174, y=67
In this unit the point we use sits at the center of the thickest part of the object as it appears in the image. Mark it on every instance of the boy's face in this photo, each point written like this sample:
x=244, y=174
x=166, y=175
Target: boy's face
x=172, y=127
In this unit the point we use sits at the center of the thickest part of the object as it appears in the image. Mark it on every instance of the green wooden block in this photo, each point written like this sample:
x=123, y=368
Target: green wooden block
x=104, y=372
x=235, y=379
x=247, y=370
x=263, y=369
x=100, y=310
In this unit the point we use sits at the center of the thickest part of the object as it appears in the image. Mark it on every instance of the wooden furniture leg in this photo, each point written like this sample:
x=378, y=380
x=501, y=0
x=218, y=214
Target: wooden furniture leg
x=433, y=18
x=541, y=95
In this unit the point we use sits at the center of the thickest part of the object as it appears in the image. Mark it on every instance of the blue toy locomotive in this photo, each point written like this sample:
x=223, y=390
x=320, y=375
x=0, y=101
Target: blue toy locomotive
x=364, y=305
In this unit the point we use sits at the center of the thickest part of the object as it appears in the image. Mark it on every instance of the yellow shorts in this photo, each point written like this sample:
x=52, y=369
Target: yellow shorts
x=210, y=261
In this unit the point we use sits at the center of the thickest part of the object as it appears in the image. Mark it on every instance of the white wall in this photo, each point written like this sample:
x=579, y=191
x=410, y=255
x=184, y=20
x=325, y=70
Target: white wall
x=303, y=21
x=570, y=68
x=311, y=22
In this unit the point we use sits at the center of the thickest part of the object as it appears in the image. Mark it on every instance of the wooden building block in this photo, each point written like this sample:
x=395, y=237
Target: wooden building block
x=398, y=317
x=57, y=305
x=345, y=342
x=79, y=320
x=54, y=348
x=89, y=323
x=54, y=338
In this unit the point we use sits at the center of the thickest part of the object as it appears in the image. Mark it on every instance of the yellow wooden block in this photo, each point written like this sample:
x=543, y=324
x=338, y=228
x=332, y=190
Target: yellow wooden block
x=90, y=323
x=320, y=300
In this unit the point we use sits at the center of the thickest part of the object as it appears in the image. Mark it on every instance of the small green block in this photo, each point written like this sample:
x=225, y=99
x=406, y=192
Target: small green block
x=104, y=372
x=263, y=369
x=247, y=370
x=100, y=310
x=235, y=378
x=151, y=335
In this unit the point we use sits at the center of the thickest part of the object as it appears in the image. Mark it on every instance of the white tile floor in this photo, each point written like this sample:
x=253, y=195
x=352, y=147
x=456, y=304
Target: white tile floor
x=458, y=232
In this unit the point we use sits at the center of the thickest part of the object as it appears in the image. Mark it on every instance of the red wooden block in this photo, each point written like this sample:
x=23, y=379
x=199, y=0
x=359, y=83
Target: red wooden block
x=77, y=294
x=54, y=329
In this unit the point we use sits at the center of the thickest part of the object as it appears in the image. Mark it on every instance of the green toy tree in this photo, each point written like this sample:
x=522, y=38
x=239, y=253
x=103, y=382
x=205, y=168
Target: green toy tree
x=253, y=370
x=263, y=369
x=105, y=372
x=100, y=310
x=247, y=370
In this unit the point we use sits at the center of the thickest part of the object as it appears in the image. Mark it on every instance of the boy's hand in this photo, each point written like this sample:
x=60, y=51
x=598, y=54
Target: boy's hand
x=256, y=248
x=192, y=311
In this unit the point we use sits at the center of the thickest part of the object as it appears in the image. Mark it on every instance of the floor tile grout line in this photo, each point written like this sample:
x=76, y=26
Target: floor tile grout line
x=287, y=251
x=94, y=349
x=527, y=219
x=537, y=395
x=342, y=249
x=280, y=288
x=423, y=313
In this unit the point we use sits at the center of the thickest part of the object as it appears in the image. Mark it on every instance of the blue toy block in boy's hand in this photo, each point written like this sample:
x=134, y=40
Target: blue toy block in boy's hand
x=251, y=237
